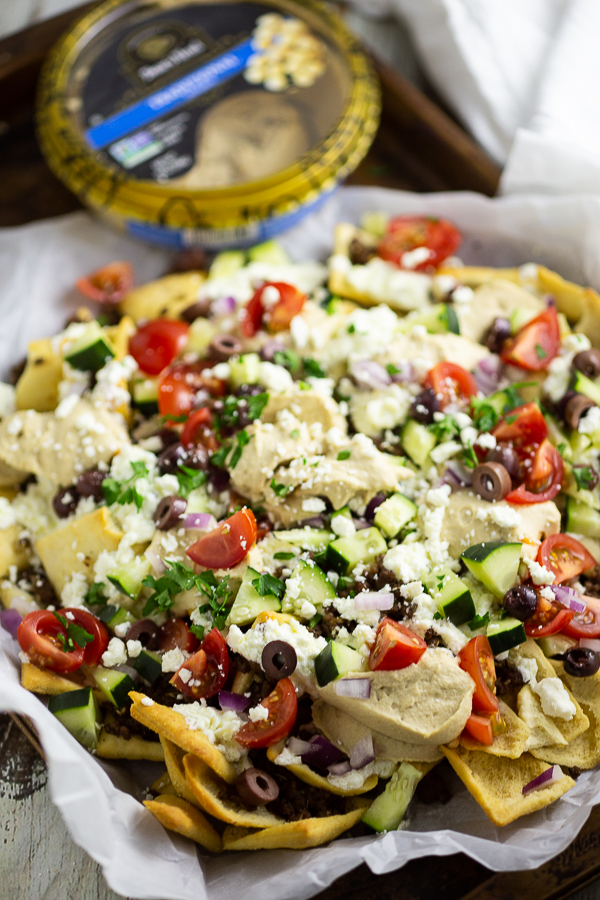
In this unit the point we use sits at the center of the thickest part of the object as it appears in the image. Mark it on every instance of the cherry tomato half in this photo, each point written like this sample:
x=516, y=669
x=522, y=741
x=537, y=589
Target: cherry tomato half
x=198, y=429
x=108, y=284
x=536, y=344
x=93, y=651
x=176, y=634
x=179, y=384
x=209, y=667
x=450, y=383
x=564, y=556
x=406, y=233
x=156, y=344
x=543, y=479
x=395, y=647
x=227, y=544
x=523, y=426
x=39, y=637
x=484, y=728
x=477, y=659
x=549, y=618
x=282, y=705
x=276, y=316
x=586, y=624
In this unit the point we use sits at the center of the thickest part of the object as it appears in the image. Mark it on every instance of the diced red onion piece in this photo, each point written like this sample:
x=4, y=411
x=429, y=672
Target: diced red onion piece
x=569, y=598
x=341, y=768
x=158, y=565
x=457, y=475
x=370, y=375
x=406, y=372
x=491, y=365
x=10, y=619
x=313, y=522
x=362, y=753
x=550, y=776
x=222, y=306
x=297, y=746
x=321, y=753
x=360, y=688
x=374, y=600
x=236, y=702
x=361, y=524
x=373, y=505
x=590, y=644
x=128, y=670
x=205, y=521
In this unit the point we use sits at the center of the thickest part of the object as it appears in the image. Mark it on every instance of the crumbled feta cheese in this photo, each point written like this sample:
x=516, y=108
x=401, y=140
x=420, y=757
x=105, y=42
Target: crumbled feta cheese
x=219, y=726
x=300, y=332
x=504, y=516
x=147, y=701
x=590, y=421
x=409, y=562
x=314, y=505
x=539, y=574
x=548, y=594
x=173, y=659
x=122, y=629
x=258, y=713
x=486, y=441
x=66, y=406
x=115, y=654
x=7, y=514
x=555, y=699
x=276, y=378
x=15, y=426
x=74, y=591
x=134, y=648
x=343, y=526
x=287, y=758
x=413, y=258
x=462, y=294
x=445, y=451
x=355, y=779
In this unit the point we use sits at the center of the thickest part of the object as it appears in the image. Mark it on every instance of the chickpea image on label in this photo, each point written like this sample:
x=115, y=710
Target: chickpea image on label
x=287, y=54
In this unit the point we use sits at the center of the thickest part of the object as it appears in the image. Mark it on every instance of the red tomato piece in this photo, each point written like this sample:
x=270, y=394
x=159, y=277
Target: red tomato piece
x=156, y=344
x=252, y=318
x=477, y=659
x=480, y=729
x=536, y=344
x=179, y=384
x=395, y=647
x=406, y=233
x=282, y=705
x=524, y=426
x=176, y=634
x=39, y=636
x=93, y=651
x=549, y=618
x=586, y=624
x=276, y=316
x=450, y=383
x=564, y=556
x=227, y=544
x=209, y=668
x=543, y=479
x=108, y=284
x=197, y=428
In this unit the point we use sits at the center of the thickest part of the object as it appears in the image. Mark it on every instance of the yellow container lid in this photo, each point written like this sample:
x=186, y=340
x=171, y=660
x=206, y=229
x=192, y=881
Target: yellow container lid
x=217, y=124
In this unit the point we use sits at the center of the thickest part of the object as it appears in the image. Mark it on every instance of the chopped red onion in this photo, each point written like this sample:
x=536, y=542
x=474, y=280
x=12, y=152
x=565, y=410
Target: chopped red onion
x=569, y=598
x=373, y=505
x=550, y=776
x=321, y=753
x=457, y=475
x=550, y=300
x=406, y=372
x=362, y=753
x=369, y=375
x=313, y=522
x=270, y=349
x=222, y=306
x=205, y=521
x=491, y=365
x=158, y=565
x=590, y=644
x=297, y=746
x=361, y=524
x=360, y=688
x=341, y=768
x=374, y=600
x=10, y=619
x=128, y=670
x=236, y=702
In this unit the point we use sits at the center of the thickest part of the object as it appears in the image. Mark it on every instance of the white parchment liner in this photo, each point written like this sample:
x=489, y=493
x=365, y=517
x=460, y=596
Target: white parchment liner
x=99, y=801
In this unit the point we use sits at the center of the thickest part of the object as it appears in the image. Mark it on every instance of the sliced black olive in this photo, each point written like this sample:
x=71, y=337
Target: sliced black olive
x=508, y=458
x=89, y=484
x=278, y=660
x=491, y=481
x=256, y=788
x=498, y=333
x=146, y=632
x=520, y=602
x=576, y=409
x=581, y=662
x=169, y=511
x=588, y=363
x=65, y=501
x=176, y=455
x=424, y=406
x=225, y=345
x=199, y=309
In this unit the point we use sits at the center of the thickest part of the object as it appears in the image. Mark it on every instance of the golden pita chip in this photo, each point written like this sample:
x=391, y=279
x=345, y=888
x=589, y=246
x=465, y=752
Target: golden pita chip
x=172, y=725
x=584, y=750
x=43, y=681
x=510, y=744
x=177, y=815
x=221, y=800
x=174, y=762
x=543, y=731
x=474, y=276
x=163, y=785
x=111, y=746
x=293, y=835
x=497, y=783
x=306, y=774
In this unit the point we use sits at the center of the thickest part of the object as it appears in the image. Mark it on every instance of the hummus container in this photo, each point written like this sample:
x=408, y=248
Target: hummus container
x=209, y=124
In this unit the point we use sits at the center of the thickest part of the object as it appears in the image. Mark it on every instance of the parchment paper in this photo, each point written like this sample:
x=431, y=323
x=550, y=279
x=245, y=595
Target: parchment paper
x=100, y=802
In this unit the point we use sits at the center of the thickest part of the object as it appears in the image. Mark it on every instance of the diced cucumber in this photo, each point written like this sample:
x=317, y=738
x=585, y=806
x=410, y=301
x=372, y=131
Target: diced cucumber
x=244, y=370
x=128, y=579
x=226, y=263
x=249, y=603
x=115, y=615
x=393, y=514
x=375, y=223
x=114, y=685
x=582, y=519
x=145, y=396
x=520, y=317
x=316, y=539
x=198, y=501
x=505, y=635
x=336, y=660
x=558, y=437
x=344, y=511
x=495, y=564
x=149, y=665
x=417, y=441
x=91, y=351
x=556, y=644
x=584, y=385
x=453, y=597
x=387, y=811
x=200, y=334
x=78, y=712
x=344, y=554
x=270, y=252
x=438, y=319
x=308, y=583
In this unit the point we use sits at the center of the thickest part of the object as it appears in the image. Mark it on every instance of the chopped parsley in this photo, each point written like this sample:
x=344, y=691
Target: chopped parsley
x=479, y=622
x=343, y=454
x=585, y=477
x=485, y=415
x=540, y=352
x=295, y=434
x=233, y=407
x=177, y=578
x=468, y=457
x=267, y=584
x=178, y=419
x=288, y=359
x=122, y=492
x=95, y=595
x=218, y=594
x=312, y=368
x=561, y=448
x=445, y=429
x=189, y=480
x=219, y=458
x=392, y=369
x=283, y=555
x=351, y=329
x=280, y=489
x=76, y=636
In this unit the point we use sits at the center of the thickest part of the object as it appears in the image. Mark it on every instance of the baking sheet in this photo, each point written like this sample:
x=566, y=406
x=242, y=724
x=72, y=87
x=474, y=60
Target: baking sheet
x=100, y=802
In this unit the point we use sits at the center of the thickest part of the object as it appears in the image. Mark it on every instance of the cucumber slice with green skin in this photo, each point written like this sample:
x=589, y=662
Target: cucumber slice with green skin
x=200, y=334
x=307, y=583
x=495, y=564
x=439, y=319
x=91, y=351
x=556, y=644
x=145, y=396
x=336, y=660
x=149, y=665
x=557, y=437
x=344, y=511
x=582, y=519
x=505, y=635
x=78, y=712
x=387, y=811
x=249, y=603
x=128, y=579
x=584, y=385
x=393, y=514
x=114, y=685
x=226, y=263
x=245, y=370
x=270, y=252
x=344, y=554
x=417, y=441
x=520, y=317
x=115, y=615
x=316, y=539
x=453, y=598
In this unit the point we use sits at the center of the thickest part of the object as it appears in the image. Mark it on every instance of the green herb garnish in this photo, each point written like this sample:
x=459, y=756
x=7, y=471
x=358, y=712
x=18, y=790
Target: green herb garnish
x=189, y=480
x=343, y=454
x=283, y=555
x=267, y=584
x=312, y=368
x=122, y=492
x=584, y=477
x=76, y=636
x=280, y=489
